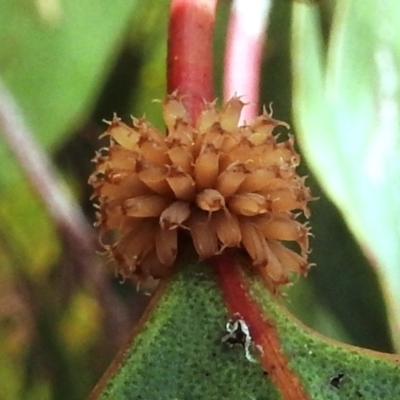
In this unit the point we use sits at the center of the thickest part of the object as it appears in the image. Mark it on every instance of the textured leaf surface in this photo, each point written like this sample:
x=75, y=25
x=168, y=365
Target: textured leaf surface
x=178, y=353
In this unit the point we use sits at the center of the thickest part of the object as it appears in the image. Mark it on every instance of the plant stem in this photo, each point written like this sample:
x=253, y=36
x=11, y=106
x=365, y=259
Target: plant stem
x=190, y=71
x=77, y=234
x=263, y=332
x=190, y=58
x=39, y=172
x=246, y=35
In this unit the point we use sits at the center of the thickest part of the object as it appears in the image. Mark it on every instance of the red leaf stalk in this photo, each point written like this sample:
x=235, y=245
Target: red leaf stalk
x=263, y=332
x=246, y=36
x=190, y=57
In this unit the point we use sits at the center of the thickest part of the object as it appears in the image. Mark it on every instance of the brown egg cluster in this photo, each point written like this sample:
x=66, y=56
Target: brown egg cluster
x=229, y=186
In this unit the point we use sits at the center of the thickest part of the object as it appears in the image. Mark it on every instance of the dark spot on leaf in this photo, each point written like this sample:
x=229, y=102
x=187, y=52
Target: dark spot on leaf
x=336, y=380
x=235, y=337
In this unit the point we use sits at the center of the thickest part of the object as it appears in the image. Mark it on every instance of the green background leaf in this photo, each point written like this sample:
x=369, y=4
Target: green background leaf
x=55, y=56
x=347, y=114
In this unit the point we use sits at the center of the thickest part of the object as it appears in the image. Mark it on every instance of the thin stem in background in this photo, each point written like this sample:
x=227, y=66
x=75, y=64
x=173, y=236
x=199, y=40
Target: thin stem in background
x=71, y=223
x=39, y=171
x=246, y=36
x=190, y=57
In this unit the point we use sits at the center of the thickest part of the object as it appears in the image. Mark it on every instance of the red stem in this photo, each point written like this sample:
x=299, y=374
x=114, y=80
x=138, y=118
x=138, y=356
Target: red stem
x=190, y=64
x=190, y=58
x=246, y=36
x=263, y=332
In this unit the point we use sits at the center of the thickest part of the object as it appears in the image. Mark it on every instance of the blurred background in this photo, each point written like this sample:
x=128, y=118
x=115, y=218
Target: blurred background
x=69, y=64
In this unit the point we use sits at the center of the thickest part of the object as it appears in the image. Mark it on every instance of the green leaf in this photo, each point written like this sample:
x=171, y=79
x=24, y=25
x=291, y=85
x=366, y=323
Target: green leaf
x=29, y=243
x=178, y=352
x=54, y=58
x=348, y=120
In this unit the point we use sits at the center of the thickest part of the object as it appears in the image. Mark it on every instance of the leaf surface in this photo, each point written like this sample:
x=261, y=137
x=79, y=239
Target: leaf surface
x=178, y=352
x=346, y=110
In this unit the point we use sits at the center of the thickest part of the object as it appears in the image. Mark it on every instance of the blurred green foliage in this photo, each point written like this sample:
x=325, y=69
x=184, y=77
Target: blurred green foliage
x=346, y=102
x=72, y=63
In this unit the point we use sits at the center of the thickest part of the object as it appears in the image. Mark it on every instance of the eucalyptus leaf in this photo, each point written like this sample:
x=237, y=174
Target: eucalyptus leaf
x=347, y=115
x=179, y=352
